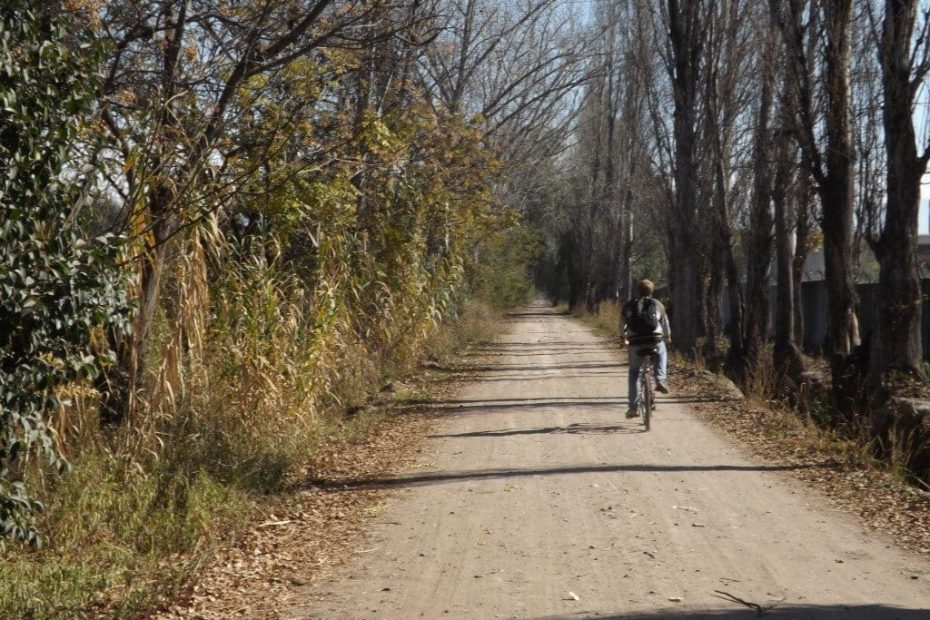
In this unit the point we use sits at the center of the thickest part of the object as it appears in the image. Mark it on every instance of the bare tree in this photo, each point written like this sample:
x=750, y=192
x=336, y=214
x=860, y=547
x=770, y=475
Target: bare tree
x=786, y=353
x=729, y=88
x=686, y=36
x=905, y=63
x=759, y=252
x=829, y=161
x=516, y=66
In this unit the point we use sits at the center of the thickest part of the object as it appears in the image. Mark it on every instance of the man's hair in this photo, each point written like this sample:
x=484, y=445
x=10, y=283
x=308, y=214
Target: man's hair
x=646, y=288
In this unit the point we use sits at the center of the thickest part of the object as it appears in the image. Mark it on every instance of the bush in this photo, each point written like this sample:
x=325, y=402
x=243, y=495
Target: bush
x=57, y=291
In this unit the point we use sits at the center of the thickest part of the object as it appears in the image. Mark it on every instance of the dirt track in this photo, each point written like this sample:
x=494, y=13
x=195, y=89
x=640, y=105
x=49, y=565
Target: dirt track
x=537, y=499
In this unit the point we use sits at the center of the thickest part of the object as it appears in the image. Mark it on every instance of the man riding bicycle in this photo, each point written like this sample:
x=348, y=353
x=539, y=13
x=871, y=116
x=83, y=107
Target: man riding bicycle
x=645, y=326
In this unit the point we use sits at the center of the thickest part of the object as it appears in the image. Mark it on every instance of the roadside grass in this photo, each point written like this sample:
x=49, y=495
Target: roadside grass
x=111, y=552
x=127, y=530
x=606, y=321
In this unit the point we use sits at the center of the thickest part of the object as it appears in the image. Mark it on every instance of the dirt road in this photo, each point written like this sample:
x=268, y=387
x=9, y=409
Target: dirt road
x=537, y=499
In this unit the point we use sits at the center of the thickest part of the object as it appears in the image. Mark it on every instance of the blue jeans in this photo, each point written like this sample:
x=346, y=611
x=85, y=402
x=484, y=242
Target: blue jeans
x=661, y=370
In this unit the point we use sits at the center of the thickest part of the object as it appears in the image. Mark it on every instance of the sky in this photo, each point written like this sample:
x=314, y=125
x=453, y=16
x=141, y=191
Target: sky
x=923, y=221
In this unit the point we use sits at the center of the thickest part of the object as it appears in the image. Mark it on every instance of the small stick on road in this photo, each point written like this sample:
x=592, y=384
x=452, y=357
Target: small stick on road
x=761, y=610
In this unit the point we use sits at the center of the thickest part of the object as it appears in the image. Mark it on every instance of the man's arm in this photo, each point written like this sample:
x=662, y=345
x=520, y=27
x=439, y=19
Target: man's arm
x=663, y=322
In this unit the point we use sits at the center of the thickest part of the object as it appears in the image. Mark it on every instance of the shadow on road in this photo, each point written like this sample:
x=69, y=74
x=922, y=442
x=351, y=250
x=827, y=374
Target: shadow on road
x=548, y=352
x=545, y=344
x=479, y=405
x=518, y=367
x=490, y=401
x=537, y=313
x=805, y=612
x=490, y=474
x=549, y=376
x=571, y=429
x=467, y=406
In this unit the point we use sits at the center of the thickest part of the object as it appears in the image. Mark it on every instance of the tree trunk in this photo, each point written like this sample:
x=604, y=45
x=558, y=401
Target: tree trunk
x=626, y=256
x=686, y=38
x=715, y=289
x=786, y=356
x=631, y=116
x=832, y=168
x=723, y=242
x=760, y=245
x=836, y=195
x=802, y=232
x=608, y=285
x=837, y=230
x=896, y=345
x=121, y=382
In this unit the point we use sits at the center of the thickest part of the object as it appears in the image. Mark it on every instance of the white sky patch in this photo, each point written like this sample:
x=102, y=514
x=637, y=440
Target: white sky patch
x=923, y=220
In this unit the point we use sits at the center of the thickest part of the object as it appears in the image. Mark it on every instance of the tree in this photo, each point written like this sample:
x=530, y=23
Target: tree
x=686, y=30
x=730, y=87
x=57, y=289
x=830, y=161
x=895, y=344
x=786, y=353
x=179, y=102
x=759, y=252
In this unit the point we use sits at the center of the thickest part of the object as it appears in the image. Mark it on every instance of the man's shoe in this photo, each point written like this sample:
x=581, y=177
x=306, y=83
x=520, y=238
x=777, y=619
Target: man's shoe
x=661, y=387
x=632, y=413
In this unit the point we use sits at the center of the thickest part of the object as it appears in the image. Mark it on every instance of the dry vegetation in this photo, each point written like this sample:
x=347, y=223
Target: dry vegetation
x=126, y=537
x=295, y=536
x=247, y=220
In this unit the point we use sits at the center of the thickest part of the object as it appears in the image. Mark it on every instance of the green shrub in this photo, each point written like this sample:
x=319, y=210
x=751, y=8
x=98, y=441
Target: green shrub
x=57, y=291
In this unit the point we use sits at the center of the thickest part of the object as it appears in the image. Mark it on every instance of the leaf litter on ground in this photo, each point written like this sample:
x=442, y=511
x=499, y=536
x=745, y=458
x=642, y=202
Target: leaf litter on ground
x=882, y=502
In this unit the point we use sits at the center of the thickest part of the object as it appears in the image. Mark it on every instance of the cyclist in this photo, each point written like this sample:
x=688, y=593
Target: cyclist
x=645, y=326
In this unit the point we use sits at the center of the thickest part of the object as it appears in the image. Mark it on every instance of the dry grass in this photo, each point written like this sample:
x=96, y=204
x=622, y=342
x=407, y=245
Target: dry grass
x=130, y=526
x=606, y=321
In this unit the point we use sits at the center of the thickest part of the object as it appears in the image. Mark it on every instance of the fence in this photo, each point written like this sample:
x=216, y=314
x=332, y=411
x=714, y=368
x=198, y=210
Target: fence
x=814, y=300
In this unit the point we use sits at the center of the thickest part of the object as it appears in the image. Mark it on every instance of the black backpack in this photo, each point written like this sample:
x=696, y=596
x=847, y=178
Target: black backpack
x=642, y=316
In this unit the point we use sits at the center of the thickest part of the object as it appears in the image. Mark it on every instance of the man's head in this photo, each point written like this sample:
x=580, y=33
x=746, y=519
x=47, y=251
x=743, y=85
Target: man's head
x=646, y=288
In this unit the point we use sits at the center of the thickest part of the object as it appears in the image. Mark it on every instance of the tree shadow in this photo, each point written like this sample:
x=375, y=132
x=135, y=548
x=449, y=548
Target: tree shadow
x=531, y=353
x=489, y=401
x=575, y=402
x=541, y=377
x=571, y=429
x=500, y=405
x=794, y=612
x=495, y=344
x=523, y=367
x=537, y=314
x=682, y=400
x=445, y=477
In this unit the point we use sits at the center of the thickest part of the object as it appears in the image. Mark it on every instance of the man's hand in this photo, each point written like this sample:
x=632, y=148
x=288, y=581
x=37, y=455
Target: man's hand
x=668, y=340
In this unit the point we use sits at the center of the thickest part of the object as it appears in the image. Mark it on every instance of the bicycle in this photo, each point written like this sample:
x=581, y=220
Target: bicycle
x=647, y=392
